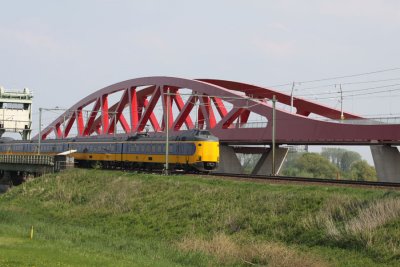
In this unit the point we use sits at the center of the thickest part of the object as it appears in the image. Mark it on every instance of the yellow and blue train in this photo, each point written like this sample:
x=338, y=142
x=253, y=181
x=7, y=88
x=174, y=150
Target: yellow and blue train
x=194, y=149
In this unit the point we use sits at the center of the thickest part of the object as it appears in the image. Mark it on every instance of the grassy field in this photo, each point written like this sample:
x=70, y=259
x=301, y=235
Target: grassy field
x=112, y=218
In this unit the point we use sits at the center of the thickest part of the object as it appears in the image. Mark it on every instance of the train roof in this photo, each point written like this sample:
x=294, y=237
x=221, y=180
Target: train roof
x=189, y=135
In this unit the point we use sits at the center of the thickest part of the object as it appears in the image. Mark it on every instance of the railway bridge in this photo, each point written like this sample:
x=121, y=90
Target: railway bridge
x=241, y=115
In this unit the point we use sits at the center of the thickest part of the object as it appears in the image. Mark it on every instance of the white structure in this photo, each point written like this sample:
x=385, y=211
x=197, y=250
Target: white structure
x=16, y=112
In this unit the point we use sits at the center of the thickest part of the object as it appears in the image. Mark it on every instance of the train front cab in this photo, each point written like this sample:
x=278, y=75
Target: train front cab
x=207, y=152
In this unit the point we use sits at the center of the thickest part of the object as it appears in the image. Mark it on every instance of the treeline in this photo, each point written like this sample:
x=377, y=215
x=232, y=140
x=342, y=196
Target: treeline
x=330, y=163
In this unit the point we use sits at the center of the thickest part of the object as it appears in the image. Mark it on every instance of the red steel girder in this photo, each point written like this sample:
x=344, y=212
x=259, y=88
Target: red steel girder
x=133, y=108
x=92, y=117
x=184, y=113
x=118, y=116
x=104, y=113
x=225, y=108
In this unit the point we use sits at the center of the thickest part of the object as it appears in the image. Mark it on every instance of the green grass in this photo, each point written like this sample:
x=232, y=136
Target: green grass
x=112, y=218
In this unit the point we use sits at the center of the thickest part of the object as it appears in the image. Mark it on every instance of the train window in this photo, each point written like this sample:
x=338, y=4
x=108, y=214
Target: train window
x=184, y=149
x=192, y=149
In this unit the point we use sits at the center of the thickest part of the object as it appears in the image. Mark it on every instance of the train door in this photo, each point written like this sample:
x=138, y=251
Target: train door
x=185, y=153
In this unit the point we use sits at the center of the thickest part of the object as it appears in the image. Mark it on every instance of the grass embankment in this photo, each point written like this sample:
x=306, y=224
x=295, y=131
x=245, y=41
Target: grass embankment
x=104, y=218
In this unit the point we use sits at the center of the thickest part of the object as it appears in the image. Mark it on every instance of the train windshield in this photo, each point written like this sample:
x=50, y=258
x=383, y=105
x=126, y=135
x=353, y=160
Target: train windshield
x=203, y=133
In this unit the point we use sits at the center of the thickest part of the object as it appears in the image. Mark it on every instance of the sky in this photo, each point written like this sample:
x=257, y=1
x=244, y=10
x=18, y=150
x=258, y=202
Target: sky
x=66, y=50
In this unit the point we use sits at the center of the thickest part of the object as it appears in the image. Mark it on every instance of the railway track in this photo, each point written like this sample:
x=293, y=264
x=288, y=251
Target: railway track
x=305, y=180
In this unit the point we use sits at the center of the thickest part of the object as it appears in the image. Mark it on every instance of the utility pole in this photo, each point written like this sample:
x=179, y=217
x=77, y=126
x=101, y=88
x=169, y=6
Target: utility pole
x=167, y=134
x=291, y=98
x=63, y=131
x=40, y=130
x=341, y=102
x=273, y=133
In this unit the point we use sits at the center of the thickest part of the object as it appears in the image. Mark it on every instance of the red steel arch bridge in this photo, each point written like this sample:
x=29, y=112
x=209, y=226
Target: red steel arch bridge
x=239, y=114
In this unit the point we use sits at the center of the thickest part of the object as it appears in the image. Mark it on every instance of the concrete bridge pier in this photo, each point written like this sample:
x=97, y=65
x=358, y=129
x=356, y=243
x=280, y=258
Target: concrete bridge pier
x=228, y=161
x=264, y=164
x=387, y=162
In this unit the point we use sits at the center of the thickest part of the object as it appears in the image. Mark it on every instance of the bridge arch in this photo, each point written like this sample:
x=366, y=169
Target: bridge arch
x=223, y=107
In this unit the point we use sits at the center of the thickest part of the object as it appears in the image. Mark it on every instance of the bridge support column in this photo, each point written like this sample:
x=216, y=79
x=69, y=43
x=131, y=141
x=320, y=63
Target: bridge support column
x=228, y=161
x=387, y=162
x=264, y=164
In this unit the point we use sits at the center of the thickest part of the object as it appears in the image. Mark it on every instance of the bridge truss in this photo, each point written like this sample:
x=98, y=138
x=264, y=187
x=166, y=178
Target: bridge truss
x=226, y=108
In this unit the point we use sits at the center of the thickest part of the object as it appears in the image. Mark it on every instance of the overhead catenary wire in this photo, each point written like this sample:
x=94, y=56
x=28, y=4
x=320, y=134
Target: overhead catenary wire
x=354, y=90
x=335, y=84
x=339, y=77
x=359, y=94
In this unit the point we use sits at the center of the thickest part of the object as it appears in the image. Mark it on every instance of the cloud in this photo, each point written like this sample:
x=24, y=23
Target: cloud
x=275, y=49
x=386, y=11
x=29, y=38
x=278, y=26
x=36, y=40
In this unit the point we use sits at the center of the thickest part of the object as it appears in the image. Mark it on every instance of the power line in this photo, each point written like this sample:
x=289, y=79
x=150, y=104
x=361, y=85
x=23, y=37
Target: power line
x=339, y=77
x=360, y=94
x=348, y=83
x=355, y=90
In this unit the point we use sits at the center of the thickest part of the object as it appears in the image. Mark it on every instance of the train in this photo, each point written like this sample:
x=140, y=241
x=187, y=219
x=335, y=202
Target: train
x=192, y=150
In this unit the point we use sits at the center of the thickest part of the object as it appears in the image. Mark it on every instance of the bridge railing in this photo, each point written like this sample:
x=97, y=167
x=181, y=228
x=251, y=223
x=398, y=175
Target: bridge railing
x=27, y=159
x=369, y=121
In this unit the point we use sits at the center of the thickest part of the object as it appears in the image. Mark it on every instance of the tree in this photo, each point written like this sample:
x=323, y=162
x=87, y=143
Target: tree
x=342, y=158
x=333, y=154
x=362, y=171
x=347, y=159
x=312, y=165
